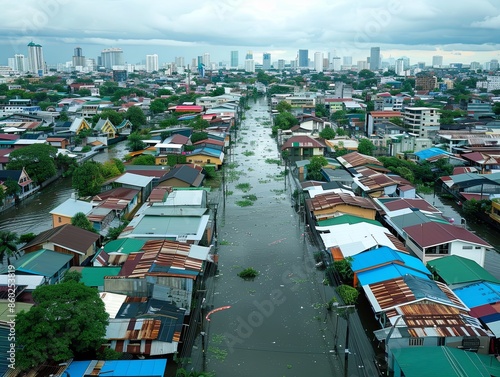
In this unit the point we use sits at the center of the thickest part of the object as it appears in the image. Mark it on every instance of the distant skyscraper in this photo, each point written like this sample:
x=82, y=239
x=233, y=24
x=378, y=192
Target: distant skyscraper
x=494, y=65
x=475, y=66
x=179, y=61
x=206, y=60
x=152, y=63
x=36, y=64
x=318, y=61
x=234, y=59
x=281, y=64
x=421, y=65
x=266, y=61
x=78, y=58
x=111, y=57
x=400, y=67
x=19, y=63
x=249, y=65
x=249, y=55
x=303, y=59
x=437, y=61
x=347, y=61
x=375, y=58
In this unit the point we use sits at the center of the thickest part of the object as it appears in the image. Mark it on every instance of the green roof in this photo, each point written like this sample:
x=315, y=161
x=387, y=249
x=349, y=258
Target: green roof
x=347, y=219
x=124, y=245
x=442, y=361
x=94, y=276
x=42, y=262
x=6, y=314
x=454, y=269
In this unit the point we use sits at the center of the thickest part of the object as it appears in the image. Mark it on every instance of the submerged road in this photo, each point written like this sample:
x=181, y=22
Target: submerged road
x=277, y=324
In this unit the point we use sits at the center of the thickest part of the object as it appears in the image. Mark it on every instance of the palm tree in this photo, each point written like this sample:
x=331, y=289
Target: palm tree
x=8, y=245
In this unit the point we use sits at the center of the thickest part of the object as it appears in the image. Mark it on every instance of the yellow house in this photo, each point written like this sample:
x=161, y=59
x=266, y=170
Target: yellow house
x=105, y=127
x=326, y=206
x=206, y=156
x=63, y=213
x=78, y=125
x=495, y=211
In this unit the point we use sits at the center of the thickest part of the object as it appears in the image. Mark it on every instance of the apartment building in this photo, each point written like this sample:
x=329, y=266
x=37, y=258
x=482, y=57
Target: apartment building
x=421, y=121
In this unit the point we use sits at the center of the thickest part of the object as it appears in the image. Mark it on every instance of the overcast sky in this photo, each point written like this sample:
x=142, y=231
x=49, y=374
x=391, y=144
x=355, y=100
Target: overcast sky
x=460, y=31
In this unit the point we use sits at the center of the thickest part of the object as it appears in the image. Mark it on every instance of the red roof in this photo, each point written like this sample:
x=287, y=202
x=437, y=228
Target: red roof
x=188, y=109
x=179, y=139
x=302, y=142
x=385, y=114
x=9, y=137
x=433, y=234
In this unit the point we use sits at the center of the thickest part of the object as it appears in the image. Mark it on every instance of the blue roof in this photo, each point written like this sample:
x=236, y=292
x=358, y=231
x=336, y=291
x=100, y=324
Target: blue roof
x=387, y=272
x=122, y=368
x=430, y=152
x=479, y=294
x=384, y=255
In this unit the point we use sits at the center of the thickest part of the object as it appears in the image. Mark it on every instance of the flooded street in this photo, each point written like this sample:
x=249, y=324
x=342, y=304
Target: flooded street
x=276, y=324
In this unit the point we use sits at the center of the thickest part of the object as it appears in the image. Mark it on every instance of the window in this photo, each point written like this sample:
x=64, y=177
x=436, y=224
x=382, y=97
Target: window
x=441, y=341
x=59, y=219
x=416, y=342
x=466, y=247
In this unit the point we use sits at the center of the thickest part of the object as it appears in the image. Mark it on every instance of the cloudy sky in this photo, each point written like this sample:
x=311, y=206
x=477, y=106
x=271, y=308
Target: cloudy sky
x=459, y=31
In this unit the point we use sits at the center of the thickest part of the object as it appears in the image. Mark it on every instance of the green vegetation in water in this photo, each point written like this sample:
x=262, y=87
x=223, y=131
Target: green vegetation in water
x=217, y=339
x=224, y=242
x=248, y=153
x=248, y=273
x=245, y=187
x=229, y=192
x=232, y=165
x=244, y=203
x=218, y=353
x=261, y=181
x=273, y=161
x=278, y=191
x=251, y=197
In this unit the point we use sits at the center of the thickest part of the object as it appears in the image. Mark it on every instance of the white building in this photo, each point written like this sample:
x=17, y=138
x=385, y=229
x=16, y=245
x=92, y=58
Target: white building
x=421, y=121
x=318, y=61
x=36, y=64
x=249, y=65
x=437, y=61
x=152, y=63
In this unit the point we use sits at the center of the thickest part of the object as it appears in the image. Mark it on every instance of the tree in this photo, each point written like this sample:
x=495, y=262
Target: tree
x=157, y=106
x=87, y=179
x=198, y=136
x=67, y=320
x=63, y=116
x=2, y=195
x=348, y=294
x=366, y=74
x=8, y=245
x=397, y=121
x=135, y=143
x=218, y=92
x=199, y=123
x=37, y=159
x=365, y=146
x=109, y=169
x=136, y=117
x=314, y=168
x=283, y=106
x=81, y=221
x=327, y=133
x=145, y=159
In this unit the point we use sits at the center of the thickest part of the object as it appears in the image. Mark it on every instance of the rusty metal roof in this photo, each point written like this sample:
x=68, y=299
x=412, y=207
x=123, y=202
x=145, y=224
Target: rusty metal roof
x=331, y=200
x=354, y=159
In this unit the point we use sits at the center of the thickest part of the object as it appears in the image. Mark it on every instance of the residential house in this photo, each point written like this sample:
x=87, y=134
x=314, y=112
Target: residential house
x=58, y=142
x=78, y=125
x=370, y=183
x=52, y=265
x=125, y=127
x=373, y=118
x=183, y=176
x=106, y=128
x=206, y=157
x=441, y=361
x=353, y=160
x=64, y=212
x=123, y=201
x=67, y=239
x=135, y=182
x=26, y=185
x=328, y=205
x=303, y=147
x=94, y=276
x=116, y=368
x=484, y=162
x=433, y=240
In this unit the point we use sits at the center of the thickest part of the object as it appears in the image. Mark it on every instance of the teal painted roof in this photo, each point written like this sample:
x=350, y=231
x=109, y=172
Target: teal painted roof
x=42, y=262
x=125, y=245
x=94, y=276
x=347, y=219
x=442, y=361
x=454, y=269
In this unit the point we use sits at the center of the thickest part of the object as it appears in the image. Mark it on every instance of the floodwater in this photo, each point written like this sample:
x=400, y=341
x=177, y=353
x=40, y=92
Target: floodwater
x=32, y=215
x=276, y=324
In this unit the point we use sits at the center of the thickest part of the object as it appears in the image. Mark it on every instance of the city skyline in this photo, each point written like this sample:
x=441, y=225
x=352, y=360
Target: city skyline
x=281, y=28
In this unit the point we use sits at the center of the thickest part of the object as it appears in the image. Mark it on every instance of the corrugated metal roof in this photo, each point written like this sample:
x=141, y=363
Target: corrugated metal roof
x=41, y=262
x=355, y=159
x=331, y=200
x=454, y=269
x=478, y=294
x=94, y=276
x=433, y=233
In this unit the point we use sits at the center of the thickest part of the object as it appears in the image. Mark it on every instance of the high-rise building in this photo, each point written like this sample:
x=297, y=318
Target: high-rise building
x=78, y=58
x=421, y=120
x=112, y=57
x=234, y=59
x=335, y=63
x=474, y=66
x=303, y=59
x=206, y=60
x=400, y=67
x=281, y=64
x=375, y=58
x=266, y=61
x=19, y=63
x=36, y=64
x=179, y=61
x=318, y=61
x=437, y=61
x=249, y=55
x=421, y=65
x=152, y=63
x=249, y=65
x=494, y=65
x=347, y=61
x=362, y=64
